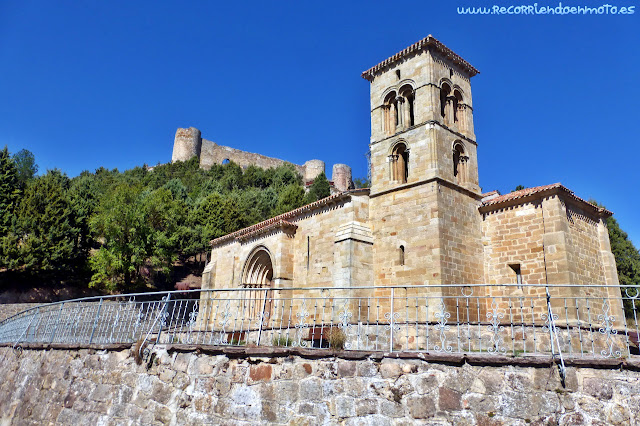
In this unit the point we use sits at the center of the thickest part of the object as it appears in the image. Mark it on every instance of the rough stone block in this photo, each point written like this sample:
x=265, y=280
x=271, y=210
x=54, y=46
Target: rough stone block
x=448, y=399
x=345, y=406
x=346, y=369
x=598, y=387
x=421, y=407
x=260, y=372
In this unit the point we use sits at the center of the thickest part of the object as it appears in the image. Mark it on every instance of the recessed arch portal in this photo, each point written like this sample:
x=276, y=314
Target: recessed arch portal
x=257, y=279
x=258, y=269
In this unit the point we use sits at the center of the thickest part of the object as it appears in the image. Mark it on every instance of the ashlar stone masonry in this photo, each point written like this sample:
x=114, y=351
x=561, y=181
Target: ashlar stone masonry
x=425, y=219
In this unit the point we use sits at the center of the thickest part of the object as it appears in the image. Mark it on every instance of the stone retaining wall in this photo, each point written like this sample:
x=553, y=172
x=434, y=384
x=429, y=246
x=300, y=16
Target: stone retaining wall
x=256, y=386
x=10, y=309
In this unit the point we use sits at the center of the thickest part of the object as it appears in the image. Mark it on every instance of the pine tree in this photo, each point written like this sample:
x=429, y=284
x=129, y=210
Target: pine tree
x=9, y=191
x=46, y=225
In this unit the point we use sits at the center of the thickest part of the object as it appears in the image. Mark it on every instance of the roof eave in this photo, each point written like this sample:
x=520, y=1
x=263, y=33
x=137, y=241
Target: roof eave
x=560, y=190
x=425, y=43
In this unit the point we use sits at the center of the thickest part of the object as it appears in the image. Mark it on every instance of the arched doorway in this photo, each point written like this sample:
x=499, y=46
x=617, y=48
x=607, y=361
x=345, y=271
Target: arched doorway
x=257, y=275
x=258, y=270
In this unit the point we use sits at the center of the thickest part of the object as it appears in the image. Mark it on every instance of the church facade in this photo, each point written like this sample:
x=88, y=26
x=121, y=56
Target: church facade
x=424, y=221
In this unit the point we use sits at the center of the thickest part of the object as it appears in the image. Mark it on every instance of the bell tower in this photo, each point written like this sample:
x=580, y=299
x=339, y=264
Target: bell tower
x=424, y=168
x=422, y=118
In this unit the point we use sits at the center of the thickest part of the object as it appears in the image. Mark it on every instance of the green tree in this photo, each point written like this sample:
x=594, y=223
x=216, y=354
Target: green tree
x=85, y=194
x=362, y=183
x=26, y=167
x=319, y=189
x=290, y=198
x=518, y=188
x=164, y=214
x=121, y=225
x=46, y=226
x=9, y=190
x=283, y=176
x=206, y=219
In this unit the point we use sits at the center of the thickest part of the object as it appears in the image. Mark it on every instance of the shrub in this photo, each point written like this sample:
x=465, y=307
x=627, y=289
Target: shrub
x=282, y=341
x=337, y=338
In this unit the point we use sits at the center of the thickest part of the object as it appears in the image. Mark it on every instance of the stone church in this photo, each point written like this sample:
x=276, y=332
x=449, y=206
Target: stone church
x=425, y=220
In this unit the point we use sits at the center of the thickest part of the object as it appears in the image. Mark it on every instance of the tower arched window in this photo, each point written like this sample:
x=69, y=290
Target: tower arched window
x=400, y=163
x=460, y=163
x=407, y=96
x=445, y=101
x=457, y=104
x=459, y=110
x=390, y=113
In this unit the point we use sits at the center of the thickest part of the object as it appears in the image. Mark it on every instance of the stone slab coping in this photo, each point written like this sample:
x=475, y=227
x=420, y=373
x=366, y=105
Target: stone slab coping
x=440, y=358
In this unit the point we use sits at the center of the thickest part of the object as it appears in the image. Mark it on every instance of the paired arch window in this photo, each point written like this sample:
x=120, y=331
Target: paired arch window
x=398, y=109
x=452, y=106
x=399, y=161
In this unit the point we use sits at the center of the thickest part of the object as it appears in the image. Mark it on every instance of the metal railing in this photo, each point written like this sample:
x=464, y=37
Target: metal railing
x=516, y=320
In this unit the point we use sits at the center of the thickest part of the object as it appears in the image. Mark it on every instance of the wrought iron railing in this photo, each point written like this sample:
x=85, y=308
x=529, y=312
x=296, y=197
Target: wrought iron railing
x=516, y=320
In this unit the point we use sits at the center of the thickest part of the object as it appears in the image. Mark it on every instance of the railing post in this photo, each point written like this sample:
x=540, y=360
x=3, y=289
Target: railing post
x=55, y=328
x=26, y=328
x=95, y=321
x=554, y=333
x=391, y=325
x=264, y=306
x=162, y=317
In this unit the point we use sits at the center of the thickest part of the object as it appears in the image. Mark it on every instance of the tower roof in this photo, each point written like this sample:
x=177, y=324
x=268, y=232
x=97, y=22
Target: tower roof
x=428, y=41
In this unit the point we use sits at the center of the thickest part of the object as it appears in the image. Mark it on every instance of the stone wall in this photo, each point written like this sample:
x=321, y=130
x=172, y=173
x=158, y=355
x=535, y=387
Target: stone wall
x=188, y=143
x=319, y=234
x=213, y=153
x=10, y=309
x=224, y=386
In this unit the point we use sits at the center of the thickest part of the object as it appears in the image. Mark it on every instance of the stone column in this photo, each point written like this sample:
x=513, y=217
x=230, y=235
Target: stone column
x=448, y=111
x=462, y=117
x=393, y=118
x=393, y=159
x=407, y=113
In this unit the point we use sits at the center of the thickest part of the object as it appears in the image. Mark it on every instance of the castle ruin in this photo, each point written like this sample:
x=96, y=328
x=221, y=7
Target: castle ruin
x=189, y=143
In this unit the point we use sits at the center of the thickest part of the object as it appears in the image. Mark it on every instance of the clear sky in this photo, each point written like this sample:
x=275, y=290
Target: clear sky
x=90, y=84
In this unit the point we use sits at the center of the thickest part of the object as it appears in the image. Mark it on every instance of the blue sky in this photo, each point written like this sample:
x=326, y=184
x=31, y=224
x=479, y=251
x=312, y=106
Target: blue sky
x=90, y=84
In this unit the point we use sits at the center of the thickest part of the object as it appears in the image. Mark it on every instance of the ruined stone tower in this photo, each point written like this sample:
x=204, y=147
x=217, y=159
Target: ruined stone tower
x=187, y=144
x=424, y=169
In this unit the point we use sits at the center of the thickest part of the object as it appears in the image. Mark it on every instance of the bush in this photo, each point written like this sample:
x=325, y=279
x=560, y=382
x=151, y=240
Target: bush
x=337, y=338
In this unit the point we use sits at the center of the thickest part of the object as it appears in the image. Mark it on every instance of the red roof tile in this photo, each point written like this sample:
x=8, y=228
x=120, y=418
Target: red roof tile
x=421, y=45
x=519, y=194
x=278, y=221
x=527, y=192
